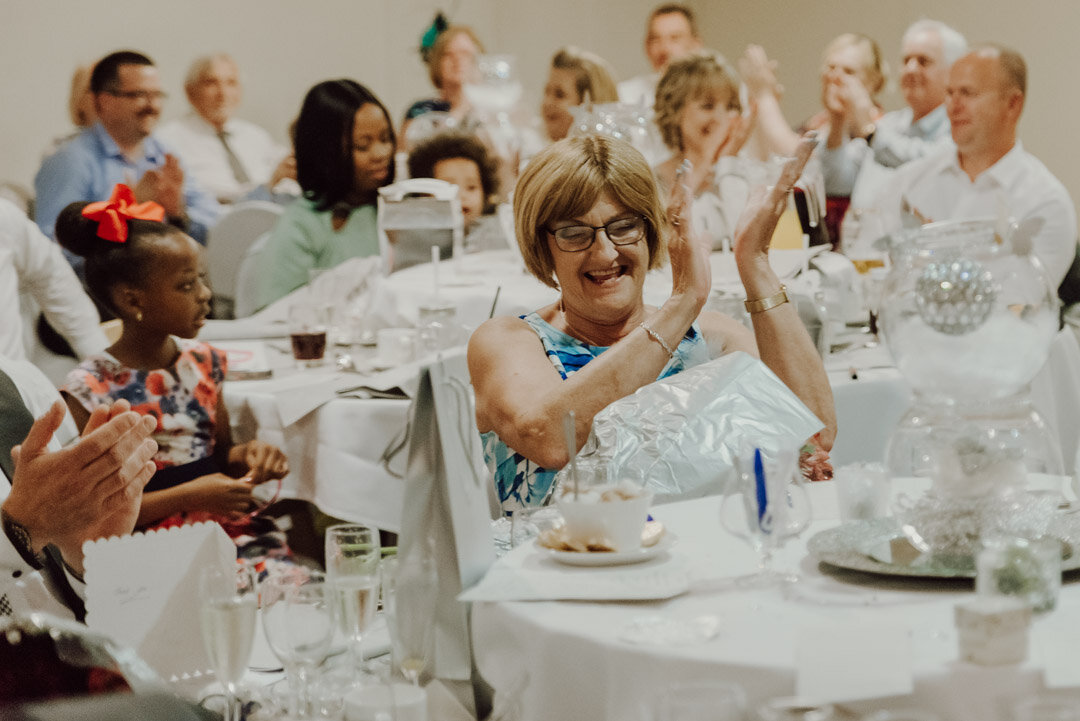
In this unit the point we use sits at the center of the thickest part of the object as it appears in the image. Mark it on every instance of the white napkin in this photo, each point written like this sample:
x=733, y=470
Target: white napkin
x=527, y=574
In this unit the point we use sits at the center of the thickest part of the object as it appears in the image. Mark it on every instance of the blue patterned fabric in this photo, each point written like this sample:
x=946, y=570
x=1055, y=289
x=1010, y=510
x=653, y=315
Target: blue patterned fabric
x=521, y=483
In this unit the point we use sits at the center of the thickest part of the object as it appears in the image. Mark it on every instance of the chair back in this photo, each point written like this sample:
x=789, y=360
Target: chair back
x=246, y=293
x=414, y=215
x=228, y=243
x=19, y=195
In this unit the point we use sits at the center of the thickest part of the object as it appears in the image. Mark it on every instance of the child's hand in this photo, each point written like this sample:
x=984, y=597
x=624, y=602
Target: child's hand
x=261, y=461
x=220, y=494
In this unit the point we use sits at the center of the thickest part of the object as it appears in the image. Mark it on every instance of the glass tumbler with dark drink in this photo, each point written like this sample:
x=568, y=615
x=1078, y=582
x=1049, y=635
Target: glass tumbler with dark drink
x=308, y=325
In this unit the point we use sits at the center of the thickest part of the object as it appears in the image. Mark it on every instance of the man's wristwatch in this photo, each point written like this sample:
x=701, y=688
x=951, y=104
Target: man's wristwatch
x=19, y=536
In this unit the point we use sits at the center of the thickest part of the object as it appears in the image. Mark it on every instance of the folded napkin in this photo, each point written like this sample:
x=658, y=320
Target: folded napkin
x=528, y=574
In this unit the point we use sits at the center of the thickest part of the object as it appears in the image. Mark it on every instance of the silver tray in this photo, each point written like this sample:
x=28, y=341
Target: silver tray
x=858, y=546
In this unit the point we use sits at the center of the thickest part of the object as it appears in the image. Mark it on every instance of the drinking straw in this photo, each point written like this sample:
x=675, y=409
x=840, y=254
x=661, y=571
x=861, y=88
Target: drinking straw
x=495, y=302
x=570, y=433
x=759, y=482
x=435, y=270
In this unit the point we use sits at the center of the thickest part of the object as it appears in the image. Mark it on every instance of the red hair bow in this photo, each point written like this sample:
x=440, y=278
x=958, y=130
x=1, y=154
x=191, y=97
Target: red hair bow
x=113, y=214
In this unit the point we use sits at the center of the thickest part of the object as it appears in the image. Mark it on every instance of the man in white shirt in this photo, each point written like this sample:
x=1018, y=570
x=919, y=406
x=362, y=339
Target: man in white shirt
x=33, y=266
x=228, y=156
x=671, y=34
x=54, y=498
x=988, y=174
x=860, y=155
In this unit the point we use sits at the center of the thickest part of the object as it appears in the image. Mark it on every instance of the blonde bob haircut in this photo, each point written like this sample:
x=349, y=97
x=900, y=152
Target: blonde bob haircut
x=688, y=78
x=564, y=181
x=592, y=74
x=438, y=50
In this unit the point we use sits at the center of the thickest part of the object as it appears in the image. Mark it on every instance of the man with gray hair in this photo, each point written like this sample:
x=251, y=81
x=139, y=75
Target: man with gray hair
x=228, y=156
x=862, y=162
x=987, y=174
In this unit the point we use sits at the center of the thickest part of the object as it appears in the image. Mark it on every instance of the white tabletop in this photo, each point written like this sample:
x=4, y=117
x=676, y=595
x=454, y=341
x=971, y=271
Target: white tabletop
x=575, y=659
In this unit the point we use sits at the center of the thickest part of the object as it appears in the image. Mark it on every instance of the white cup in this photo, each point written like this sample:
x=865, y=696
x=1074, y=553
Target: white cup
x=395, y=346
x=619, y=522
x=400, y=701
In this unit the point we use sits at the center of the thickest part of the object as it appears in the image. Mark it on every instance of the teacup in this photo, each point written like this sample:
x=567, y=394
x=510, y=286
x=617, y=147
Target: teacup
x=612, y=514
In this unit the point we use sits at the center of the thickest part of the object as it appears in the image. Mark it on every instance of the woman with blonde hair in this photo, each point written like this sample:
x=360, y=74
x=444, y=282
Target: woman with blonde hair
x=576, y=76
x=590, y=222
x=450, y=63
x=699, y=116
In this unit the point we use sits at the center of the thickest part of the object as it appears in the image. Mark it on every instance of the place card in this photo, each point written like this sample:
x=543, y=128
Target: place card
x=852, y=661
x=142, y=590
x=247, y=360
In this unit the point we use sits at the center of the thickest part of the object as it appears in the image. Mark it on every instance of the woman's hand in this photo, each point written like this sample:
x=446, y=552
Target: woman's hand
x=759, y=73
x=691, y=274
x=764, y=208
x=260, y=461
x=220, y=494
x=858, y=105
x=739, y=130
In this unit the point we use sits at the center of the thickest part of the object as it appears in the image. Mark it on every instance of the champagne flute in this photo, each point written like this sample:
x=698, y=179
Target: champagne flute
x=352, y=569
x=766, y=505
x=410, y=590
x=298, y=618
x=229, y=602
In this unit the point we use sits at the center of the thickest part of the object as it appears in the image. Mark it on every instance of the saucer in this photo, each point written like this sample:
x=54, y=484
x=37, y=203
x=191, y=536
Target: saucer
x=610, y=558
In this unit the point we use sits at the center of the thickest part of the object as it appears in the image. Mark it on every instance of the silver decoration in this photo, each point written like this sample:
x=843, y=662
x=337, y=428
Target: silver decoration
x=955, y=297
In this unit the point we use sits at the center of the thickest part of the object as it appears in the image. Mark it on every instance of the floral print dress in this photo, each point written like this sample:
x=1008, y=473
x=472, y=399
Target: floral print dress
x=521, y=483
x=184, y=400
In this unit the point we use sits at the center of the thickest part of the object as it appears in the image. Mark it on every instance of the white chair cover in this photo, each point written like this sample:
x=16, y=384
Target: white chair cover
x=246, y=292
x=229, y=240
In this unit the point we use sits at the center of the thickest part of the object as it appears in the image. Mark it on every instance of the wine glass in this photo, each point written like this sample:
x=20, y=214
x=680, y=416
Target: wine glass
x=766, y=505
x=410, y=588
x=227, y=610
x=352, y=568
x=298, y=618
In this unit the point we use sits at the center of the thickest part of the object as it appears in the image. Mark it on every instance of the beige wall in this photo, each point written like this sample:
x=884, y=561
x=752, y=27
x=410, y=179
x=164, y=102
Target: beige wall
x=285, y=47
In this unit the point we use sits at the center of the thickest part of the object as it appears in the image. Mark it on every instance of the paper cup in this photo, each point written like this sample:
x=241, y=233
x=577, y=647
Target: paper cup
x=620, y=523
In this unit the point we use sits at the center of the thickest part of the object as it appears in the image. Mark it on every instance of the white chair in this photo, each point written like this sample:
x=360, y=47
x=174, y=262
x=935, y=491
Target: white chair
x=246, y=292
x=228, y=243
x=18, y=194
x=414, y=215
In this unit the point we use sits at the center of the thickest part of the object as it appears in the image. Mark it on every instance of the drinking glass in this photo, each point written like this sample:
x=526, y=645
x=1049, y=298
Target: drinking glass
x=309, y=324
x=298, y=618
x=766, y=505
x=352, y=568
x=705, y=701
x=227, y=610
x=410, y=588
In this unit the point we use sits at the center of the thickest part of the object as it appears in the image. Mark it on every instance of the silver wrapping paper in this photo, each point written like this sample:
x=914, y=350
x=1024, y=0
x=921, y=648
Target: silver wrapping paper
x=679, y=436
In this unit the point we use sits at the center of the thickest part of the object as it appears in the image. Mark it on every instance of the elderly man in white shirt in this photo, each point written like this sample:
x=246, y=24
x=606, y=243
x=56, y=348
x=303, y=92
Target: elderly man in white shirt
x=861, y=165
x=671, y=34
x=230, y=157
x=32, y=267
x=988, y=174
x=54, y=498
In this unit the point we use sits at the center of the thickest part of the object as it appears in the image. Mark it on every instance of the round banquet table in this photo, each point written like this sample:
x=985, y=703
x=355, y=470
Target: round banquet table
x=576, y=659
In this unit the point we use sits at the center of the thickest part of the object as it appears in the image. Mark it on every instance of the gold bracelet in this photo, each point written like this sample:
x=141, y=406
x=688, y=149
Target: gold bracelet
x=656, y=337
x=763, y=304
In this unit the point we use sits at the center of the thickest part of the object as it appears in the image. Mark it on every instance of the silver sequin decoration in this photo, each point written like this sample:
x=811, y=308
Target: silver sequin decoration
x=956, y=296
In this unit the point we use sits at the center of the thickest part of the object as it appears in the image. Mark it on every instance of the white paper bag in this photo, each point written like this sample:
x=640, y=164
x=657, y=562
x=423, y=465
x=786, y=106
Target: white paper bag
x=446, y=504
x=143, y=591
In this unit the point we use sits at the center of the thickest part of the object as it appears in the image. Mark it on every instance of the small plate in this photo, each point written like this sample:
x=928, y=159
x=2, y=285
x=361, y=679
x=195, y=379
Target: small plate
x=610, y=558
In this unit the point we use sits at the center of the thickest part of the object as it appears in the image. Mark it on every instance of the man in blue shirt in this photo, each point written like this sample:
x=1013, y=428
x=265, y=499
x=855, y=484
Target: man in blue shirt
x=121, y=148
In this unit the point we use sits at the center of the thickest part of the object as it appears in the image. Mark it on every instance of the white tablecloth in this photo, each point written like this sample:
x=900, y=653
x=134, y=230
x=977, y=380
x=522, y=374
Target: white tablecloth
x=569, y=660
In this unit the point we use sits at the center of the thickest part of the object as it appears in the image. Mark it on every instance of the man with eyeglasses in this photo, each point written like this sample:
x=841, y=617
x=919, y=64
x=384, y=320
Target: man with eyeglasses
x=121, y=148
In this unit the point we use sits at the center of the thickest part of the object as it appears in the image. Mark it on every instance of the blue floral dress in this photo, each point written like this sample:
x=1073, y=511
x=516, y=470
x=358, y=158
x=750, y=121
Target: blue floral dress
x=521, y=483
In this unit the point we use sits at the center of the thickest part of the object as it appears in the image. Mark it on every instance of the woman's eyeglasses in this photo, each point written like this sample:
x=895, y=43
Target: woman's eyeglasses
x=621, y=231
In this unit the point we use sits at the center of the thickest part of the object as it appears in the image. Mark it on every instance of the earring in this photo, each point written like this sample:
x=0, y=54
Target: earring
x=138, y=316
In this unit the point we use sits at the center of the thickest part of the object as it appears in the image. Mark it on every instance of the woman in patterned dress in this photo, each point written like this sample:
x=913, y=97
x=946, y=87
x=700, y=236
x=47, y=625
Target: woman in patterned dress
x=590, y=222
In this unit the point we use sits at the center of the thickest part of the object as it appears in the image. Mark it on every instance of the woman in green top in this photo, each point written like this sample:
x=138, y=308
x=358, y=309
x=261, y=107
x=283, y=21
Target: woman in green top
x=344, y=154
